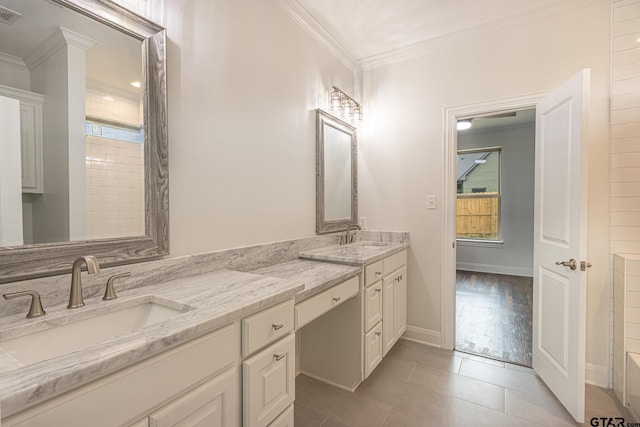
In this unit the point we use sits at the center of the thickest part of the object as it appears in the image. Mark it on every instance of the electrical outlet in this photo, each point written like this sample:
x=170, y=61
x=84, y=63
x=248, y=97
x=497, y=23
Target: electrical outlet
x=362, y=222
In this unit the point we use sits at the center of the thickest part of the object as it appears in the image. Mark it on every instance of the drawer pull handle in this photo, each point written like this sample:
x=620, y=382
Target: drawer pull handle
x=336, y=299
x=378, y=290
x=378, y=273
x=278, y=326
x=378, y=334
x=279, y=357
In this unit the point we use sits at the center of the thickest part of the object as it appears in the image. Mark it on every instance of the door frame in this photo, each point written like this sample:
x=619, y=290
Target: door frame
x=451, y=116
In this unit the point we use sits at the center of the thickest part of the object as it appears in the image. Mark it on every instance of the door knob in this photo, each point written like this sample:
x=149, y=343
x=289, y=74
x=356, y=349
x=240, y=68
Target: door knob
x=572, y=263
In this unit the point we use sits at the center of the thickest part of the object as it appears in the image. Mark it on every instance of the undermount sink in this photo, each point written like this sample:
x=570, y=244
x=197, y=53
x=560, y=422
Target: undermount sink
x=76, y=330
x=371, y=245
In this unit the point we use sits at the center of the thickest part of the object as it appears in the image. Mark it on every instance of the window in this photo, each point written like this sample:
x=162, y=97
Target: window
x=478, y=204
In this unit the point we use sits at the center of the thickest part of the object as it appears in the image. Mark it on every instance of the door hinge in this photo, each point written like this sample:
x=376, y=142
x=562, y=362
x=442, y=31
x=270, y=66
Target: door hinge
x=453, y=245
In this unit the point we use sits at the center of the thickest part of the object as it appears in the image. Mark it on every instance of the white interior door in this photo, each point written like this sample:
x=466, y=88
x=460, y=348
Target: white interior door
x=559, y=291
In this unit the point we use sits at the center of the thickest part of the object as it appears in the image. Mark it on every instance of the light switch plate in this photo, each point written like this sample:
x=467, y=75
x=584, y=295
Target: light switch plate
x=431, y=202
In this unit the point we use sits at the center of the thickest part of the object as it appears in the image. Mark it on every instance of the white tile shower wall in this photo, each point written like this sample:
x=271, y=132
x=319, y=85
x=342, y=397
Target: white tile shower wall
x=115, y=188
x=624, y=153
x=116, y=108
x=625, y=128
x=626, y=323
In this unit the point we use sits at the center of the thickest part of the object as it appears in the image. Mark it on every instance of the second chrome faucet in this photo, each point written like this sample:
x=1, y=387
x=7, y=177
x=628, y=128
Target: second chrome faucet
x=75, y=295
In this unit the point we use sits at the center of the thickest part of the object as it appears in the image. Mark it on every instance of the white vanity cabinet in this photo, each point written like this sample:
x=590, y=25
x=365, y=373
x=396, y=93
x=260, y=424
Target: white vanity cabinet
x=30, y=137
x=240, y=374
x=385, y=311
x=268, y=377
x=167, y=389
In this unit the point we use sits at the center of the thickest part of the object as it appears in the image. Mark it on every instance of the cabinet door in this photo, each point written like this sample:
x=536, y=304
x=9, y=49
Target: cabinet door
x=372, y=306
x=388, y=313
x=213, y=404
x=268, y=383
x=400, y=302
x=285, y=419
x=373, y=349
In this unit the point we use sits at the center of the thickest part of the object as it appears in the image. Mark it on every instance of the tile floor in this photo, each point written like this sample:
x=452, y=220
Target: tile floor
x=418, y=385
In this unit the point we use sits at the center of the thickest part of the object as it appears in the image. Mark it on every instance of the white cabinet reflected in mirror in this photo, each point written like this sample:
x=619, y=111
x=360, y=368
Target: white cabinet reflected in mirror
x=336, y=164
x=89, y=76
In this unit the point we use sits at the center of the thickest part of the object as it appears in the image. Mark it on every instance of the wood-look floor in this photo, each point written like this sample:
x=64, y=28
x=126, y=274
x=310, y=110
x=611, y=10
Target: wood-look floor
x=494, y=316
x=419, y=386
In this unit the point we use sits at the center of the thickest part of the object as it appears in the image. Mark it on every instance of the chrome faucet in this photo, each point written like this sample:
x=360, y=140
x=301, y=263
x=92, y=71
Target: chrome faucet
x=348, y=236
x=75, y=296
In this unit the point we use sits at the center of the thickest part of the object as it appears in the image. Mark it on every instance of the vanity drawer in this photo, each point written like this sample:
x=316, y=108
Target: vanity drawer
x=266, y=327
x=372, y=273
x=394, y=262
x=316, y=306
x=268, y=383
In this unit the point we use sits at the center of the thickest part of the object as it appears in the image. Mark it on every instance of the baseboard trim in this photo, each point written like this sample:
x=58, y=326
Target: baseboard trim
x=495, y=269
x=343, y=387
x=597, y=375
x=422, y=336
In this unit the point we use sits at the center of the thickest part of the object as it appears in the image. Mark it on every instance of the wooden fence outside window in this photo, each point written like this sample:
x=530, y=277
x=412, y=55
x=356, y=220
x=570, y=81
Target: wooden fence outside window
x=477, y=216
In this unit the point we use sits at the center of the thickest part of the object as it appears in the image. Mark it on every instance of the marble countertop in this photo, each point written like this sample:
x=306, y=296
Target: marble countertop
x=316, y=276
x=215, y=299
x=358, y=253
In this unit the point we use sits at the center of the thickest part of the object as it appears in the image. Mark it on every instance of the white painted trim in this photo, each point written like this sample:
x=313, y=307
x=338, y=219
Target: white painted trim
x=324, y=380
x=60, y=38
x=317, y=31
x=449, y=41
x=450, y=135
x=597, y=375
x=422, y=336
x=480, y=243
x=495, y=269
x=10, y=59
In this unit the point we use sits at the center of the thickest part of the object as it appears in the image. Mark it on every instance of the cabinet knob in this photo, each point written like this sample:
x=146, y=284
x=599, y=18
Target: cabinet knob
x=279, y=357
x=278, y=326
x=336, y=299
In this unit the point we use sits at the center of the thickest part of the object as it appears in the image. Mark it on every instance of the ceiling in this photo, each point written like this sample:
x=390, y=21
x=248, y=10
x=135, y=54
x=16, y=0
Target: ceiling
x=366, y=29
x=501, y=120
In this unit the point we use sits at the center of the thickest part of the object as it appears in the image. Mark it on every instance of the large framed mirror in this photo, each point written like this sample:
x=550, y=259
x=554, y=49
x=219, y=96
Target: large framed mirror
x=336, y=174
x=90, y=80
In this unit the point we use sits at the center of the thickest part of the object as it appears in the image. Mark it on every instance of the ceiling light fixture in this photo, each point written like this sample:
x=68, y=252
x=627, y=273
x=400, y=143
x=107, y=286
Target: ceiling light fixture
x=342, y=105
x=463, y=124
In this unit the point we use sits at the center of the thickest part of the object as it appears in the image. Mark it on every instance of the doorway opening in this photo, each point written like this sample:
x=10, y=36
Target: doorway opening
x=495, y=174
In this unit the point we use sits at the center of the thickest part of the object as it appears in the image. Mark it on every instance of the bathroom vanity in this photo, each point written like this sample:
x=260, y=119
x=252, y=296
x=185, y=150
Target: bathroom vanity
x=217, y=346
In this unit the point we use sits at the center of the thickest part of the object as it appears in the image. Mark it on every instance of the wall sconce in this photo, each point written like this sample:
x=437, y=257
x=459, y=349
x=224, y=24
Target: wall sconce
x=342, y=105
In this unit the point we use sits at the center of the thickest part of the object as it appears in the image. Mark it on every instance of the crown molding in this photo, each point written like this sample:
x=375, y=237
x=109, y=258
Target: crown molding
x=317, y=31
x=10, y=59
x=60, y=38
x=453, y=39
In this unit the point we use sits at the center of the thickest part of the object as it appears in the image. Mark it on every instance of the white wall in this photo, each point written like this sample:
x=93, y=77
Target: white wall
x=401, y=144
x=13, y=72
x=244, y=80
x=515, y=255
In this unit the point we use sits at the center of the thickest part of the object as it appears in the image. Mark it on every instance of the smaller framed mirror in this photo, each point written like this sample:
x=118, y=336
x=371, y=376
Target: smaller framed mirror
x=336, y=174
